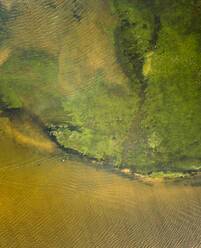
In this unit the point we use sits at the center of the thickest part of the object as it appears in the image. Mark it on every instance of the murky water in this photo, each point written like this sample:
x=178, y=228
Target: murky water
x=45, y=202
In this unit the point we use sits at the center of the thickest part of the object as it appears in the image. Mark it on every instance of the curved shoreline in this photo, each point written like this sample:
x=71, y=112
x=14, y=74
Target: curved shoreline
x=131, y=173
x=152, y=177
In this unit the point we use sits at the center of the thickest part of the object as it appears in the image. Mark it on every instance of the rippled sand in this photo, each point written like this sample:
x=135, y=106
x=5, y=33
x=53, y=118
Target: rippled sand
x=77, y=32
x=45, y=202
x=48, y=203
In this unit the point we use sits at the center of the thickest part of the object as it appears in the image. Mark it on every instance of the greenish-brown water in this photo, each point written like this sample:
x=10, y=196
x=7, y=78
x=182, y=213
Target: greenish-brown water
x=116, y=81
x=48, y=202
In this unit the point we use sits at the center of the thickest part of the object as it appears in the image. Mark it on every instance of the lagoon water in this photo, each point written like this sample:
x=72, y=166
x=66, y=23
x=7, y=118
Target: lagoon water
x=46, y=202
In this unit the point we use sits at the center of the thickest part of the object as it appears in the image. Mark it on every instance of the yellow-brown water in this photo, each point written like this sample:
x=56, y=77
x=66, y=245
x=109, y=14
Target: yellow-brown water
x=45, y=202
x=48, y=203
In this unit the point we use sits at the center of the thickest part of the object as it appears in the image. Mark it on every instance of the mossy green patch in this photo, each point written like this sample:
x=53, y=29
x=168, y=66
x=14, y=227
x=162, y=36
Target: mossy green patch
x=104, y=114
x=169, y=175
x=173, y=93
x=147, y=64
x=133, y=36
x=156, y=125
x=168, y=132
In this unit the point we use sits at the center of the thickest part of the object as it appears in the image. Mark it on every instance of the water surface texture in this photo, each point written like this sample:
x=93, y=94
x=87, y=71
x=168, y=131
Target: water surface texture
x=46, y=199
x=46, y=202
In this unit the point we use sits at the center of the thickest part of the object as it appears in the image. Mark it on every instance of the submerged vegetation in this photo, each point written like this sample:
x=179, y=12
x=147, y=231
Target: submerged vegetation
x=103, y=116
x=4, y=16
x=151, y=122
x=29, y=79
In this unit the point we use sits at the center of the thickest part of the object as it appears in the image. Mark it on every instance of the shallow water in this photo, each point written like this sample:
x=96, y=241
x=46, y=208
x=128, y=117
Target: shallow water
x=45, y=202
x=48, y=203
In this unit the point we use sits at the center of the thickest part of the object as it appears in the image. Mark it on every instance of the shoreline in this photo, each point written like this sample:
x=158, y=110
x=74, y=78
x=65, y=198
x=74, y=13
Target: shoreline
x=154, y=177
x=131, y=173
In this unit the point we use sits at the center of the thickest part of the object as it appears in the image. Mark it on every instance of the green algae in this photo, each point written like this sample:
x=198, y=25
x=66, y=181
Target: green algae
x=103, y=114
x=149, y=123
x=168, y=132
x=169, y=175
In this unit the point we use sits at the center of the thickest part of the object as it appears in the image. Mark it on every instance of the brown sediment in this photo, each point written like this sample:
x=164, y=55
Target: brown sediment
x=4, y=54
x=7, y=3
x=88, y=51
x=37, y=27
x=27, y=134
